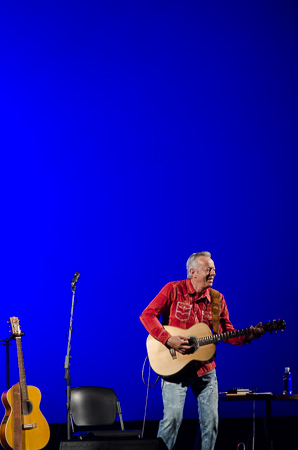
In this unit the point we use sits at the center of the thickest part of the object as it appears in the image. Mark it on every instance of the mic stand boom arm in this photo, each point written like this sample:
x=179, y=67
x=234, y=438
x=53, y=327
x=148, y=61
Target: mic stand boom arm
x=66, y=367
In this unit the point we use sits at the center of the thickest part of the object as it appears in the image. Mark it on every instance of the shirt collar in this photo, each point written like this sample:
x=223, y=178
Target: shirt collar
x=191, y=291
x=206, y=294
x=189, y=287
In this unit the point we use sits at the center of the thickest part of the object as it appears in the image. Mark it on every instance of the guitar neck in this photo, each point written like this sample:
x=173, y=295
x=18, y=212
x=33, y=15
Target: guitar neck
x=215, y=338
x=23, y=384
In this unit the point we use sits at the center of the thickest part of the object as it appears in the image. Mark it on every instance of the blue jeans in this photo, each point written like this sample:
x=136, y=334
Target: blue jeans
x=206, y=392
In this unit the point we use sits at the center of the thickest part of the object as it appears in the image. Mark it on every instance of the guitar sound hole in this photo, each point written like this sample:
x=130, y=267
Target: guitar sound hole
x=193, y=341
x=29, y=408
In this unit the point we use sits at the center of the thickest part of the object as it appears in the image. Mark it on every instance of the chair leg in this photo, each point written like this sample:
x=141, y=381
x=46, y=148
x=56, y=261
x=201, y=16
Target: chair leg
x=71, y=422
x=120, y=415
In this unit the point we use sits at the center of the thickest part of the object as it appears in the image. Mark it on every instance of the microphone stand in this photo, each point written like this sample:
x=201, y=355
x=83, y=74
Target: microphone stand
x=66, y=367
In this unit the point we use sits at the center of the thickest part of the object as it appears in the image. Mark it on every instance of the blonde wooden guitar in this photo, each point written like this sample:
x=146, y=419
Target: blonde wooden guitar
x=35, y=429
x=167, y=362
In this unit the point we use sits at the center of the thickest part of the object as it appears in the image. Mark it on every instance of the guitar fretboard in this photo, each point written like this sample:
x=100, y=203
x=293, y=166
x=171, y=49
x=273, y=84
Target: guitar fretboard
x=23, y=384
x=215, y=338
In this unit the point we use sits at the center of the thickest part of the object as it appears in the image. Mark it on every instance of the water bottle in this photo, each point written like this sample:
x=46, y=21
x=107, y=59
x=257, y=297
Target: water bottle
x=287, y=382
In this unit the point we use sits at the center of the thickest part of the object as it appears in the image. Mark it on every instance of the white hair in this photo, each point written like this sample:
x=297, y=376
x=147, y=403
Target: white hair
x=192, y=262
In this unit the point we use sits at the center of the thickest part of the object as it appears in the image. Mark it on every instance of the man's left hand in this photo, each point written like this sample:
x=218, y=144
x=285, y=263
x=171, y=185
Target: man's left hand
x=255, y=332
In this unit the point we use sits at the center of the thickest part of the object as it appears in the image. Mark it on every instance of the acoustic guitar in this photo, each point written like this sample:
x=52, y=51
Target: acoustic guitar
x=34, y=427
x=167, y=362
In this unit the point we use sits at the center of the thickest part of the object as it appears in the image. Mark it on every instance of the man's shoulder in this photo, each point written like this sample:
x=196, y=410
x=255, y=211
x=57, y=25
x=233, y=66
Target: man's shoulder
x=175, y=284
x=181, y=286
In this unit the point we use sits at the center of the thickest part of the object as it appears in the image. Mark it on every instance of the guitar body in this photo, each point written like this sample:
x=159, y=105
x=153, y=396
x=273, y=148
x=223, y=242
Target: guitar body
x=35, y=429
x=163, y=363
x=167, y=362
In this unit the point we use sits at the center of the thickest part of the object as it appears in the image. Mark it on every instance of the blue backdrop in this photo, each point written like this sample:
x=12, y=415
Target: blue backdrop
x=132, y=135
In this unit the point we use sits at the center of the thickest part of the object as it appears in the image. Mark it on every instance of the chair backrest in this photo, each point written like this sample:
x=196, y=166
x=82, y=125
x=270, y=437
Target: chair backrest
x=93, y=405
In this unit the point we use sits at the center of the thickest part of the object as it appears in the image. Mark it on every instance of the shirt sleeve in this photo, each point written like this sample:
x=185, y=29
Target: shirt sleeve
x=226, y=325
x=151, y=314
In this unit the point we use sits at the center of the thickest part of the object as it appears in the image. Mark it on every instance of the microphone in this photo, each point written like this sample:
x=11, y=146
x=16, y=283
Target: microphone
x=75, y=279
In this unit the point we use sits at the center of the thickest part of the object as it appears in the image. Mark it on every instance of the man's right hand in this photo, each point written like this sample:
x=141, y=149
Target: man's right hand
x=179, y=343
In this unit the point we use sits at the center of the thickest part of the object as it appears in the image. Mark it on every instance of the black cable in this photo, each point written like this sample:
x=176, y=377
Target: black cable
x=147, y=393
x=149, y=375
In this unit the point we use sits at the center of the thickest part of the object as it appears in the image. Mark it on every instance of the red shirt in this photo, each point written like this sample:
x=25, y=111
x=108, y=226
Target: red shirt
x=183, y=307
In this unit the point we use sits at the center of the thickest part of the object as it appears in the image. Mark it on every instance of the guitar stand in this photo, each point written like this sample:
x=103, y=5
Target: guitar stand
x=7, y=344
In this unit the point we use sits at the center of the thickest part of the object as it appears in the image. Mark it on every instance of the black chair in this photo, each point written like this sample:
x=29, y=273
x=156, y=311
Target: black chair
x=93, y=406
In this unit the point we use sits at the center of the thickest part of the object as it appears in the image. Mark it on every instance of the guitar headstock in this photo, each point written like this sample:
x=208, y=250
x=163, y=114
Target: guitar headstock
x=15, y=327
x=275, y=325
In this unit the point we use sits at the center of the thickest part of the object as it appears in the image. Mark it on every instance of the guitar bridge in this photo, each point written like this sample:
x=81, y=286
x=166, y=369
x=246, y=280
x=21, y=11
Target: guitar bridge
x=29, y=426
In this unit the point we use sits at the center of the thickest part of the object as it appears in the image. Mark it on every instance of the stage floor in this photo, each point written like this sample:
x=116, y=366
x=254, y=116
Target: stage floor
x=232, y=431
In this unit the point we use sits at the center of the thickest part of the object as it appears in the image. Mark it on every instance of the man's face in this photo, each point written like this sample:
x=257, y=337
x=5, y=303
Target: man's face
x=205, y=273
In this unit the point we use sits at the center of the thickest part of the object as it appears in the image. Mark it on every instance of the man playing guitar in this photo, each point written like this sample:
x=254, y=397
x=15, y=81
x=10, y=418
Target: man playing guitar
x=183, y=304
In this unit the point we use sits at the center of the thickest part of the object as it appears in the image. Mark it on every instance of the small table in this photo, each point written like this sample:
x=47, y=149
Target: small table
x=268, y=398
